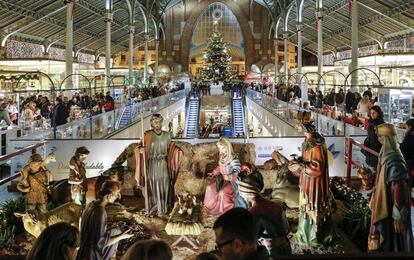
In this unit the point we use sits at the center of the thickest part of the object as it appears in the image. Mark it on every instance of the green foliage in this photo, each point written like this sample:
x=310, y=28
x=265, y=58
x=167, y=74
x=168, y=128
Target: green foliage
x=8, y=208
x=217, y=60
x=7, y=227
x=357, y=221
x=6, y=235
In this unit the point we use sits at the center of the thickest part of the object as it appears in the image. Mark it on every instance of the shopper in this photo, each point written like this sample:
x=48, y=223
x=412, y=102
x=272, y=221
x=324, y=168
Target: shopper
x=270, y=215
x=376, y=118
x=149, y=250
x=4, y=114
x=237, y=233
x=407, y=149
x=45, y=107
x=13, y=111
x=368, y=93
x=330, y=98
x=97, y=241
x=339, y=99
x=58, y=241
x=349, y=101
x=364, y=105
x=60, y=113
x=109, y=104
x=29, y=111
x=318, y=99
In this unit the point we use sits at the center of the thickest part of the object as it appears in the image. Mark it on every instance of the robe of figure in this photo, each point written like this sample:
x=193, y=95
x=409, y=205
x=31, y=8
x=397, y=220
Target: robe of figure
x=78, y=173
x=37, y=181
x=128, y=179
x=216, y=202
x=315, y=226
x=159, y=182
x=273, y=224
x=95, y=234
x=391, y=201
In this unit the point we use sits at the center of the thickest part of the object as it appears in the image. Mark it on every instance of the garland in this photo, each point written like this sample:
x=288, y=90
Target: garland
x=357, y=221
x=19, y=77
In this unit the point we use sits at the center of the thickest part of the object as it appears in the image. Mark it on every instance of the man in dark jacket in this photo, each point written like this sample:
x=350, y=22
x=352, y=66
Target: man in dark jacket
x=85, y=101
x=237, y=233
x=349, y=101
x=60, y=113
x=368, y=93
x=330, y=98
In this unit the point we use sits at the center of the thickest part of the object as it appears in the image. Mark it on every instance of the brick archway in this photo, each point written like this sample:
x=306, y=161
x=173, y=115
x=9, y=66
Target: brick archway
x=244, y=25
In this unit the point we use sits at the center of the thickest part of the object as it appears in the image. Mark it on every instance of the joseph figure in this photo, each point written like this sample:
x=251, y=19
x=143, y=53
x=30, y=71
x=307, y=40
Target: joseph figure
x=315, y=226
x=158, y=186
x=390, y=229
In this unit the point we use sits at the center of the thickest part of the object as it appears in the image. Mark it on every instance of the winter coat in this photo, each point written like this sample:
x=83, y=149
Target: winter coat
x=372, y=142
x=60, y=115
x=407, y=149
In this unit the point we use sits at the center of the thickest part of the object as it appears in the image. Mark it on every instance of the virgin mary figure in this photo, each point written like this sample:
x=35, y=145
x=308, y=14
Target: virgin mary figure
x=222, y=194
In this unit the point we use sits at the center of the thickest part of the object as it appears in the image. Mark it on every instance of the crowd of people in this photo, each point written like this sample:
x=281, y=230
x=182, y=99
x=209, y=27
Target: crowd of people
x=339, y=106
x=38, y=111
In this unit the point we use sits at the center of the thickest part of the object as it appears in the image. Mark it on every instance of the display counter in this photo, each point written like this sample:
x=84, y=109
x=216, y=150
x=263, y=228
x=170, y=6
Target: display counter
x=103, y=124
x=396, y=104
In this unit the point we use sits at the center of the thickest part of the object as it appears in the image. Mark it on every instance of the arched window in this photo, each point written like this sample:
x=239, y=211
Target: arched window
x=228, y=26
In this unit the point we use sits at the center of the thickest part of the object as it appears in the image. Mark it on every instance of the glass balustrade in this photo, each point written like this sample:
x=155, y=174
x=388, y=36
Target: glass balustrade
x=101, y=125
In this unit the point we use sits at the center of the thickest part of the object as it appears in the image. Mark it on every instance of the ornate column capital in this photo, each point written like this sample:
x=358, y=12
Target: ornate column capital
x=108, y=16
x=299, y=27
x=320, y=13
x=131, y=29
x=146, y=36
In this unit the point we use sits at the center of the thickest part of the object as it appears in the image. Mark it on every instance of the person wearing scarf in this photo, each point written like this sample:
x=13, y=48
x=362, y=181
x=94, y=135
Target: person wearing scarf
x=376, y=118
x=315, y=222
x=390, y=229
x=270, y=215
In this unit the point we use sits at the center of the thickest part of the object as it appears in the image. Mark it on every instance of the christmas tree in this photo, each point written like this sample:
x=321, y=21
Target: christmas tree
x=216, y=59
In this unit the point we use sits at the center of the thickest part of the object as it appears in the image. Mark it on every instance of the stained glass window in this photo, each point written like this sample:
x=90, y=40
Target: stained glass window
x=227, y=24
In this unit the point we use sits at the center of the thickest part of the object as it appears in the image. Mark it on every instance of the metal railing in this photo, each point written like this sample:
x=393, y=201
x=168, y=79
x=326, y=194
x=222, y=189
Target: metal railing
x=287, y=112
x=349, y=156
x=31, y=148
x=101, y=125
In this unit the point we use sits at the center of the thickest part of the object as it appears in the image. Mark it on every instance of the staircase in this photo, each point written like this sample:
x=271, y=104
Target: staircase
x=129, y=112
x=238, y=117
x=191, y=124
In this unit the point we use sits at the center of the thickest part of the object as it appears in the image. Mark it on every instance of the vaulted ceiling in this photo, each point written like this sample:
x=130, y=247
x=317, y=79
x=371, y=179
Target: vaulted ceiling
x=43, y=21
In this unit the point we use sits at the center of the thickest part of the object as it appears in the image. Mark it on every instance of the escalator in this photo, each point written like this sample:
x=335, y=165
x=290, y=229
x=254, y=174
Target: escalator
x=129, y=112
x=238, y=117
x=193, y=111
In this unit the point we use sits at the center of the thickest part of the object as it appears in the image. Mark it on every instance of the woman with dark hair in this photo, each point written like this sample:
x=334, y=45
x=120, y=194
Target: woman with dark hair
x=58, y=241
x=97, y=241
x=376, y=118
x=149, y=250
x=407, y=149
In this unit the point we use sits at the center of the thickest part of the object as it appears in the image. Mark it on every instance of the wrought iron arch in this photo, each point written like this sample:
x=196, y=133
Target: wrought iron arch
x=326, y=72
x=75, y=74
x=363, y=69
